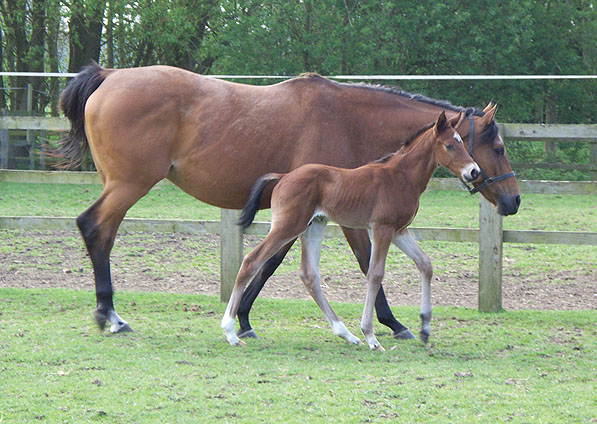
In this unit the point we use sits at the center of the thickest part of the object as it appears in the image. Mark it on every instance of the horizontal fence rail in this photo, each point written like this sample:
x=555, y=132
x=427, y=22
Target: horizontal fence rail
x=342, y=77
x=468, y=235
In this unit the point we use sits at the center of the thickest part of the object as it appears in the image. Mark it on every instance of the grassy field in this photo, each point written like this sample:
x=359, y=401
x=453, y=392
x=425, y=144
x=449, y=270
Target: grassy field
x=516, y=367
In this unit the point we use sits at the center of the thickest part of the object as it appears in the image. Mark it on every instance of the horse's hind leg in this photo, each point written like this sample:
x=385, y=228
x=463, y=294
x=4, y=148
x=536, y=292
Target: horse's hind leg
x=311, y=253
x=361, y=248
x=98, y=226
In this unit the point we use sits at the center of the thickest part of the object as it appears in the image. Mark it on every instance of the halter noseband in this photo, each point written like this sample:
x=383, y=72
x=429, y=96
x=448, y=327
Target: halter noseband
x=487, y=181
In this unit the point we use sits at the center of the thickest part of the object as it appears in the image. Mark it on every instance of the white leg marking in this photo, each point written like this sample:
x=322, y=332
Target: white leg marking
x=116, y=321
x=311, y=254
x=405, y=242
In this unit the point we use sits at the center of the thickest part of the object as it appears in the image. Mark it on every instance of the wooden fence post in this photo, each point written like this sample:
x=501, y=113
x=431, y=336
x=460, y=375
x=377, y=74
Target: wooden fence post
x=231, y=251
x=490, y=257
x=30, y=139
x=593, y=160
x=3, y=147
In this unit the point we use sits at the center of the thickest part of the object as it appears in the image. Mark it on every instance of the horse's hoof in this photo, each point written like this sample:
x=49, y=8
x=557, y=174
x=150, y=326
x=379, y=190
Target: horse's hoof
x=424, y=337
x=247, y=334
x=404, y=335
x=100, y=319
x=121, y=329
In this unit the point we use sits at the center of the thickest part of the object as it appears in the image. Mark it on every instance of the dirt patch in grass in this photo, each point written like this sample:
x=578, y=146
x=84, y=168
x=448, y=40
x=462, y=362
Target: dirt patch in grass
x=180, y=263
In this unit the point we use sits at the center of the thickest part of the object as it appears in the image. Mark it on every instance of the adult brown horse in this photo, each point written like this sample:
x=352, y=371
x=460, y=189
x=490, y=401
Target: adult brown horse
x=214, y=138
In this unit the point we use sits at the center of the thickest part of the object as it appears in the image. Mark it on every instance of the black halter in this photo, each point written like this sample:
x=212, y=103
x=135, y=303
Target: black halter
x=487, y=181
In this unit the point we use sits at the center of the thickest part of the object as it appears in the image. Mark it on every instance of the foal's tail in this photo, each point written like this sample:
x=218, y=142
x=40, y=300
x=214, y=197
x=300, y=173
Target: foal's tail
x=250, y=210
x=73, y=147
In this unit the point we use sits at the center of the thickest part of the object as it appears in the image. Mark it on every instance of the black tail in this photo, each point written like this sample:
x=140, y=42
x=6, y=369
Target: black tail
x=250, y=210
x=72, y=103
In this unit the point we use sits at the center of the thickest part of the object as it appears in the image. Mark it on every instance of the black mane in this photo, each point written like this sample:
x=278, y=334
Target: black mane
x=489, y=133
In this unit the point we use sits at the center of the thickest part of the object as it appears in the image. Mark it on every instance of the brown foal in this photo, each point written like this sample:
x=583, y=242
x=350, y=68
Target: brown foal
x=381, y=196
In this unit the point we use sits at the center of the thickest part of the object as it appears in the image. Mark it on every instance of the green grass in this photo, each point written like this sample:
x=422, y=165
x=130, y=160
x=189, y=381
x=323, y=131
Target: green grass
x=478, y=368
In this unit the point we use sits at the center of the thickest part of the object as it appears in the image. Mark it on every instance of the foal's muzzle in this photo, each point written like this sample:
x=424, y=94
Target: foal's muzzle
x=471, y=173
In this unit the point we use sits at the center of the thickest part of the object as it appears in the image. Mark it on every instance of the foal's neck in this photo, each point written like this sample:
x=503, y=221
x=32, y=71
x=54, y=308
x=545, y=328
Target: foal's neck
x=418, y=162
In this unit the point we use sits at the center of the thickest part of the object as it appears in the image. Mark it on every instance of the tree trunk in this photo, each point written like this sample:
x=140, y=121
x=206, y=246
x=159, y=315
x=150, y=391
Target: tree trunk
x=53, y=25
x=85, y=32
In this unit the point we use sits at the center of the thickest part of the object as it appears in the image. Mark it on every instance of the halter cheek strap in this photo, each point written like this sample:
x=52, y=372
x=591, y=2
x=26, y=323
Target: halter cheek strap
x=487, y=180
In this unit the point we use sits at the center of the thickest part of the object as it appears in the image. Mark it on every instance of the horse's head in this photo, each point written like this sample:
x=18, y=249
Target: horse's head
x=449, y=148
x=496, y=182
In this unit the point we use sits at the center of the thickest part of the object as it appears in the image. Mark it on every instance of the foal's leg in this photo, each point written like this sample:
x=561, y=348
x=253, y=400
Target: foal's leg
x=360, y=244
x=311, y=253
x=382, y=237
x=408, y=245
x=253, y=289
x=252, y=264
x=98, y=226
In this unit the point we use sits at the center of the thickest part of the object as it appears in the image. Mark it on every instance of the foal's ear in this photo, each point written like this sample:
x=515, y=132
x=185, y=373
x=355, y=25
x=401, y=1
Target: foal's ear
x=441, y=124
x=456, y=121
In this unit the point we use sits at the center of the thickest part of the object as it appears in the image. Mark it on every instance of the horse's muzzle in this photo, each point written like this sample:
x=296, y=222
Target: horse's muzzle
x=508, y=205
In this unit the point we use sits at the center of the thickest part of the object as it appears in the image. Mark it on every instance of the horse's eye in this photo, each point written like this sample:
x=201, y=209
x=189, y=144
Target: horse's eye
x=499, y=151
x=449, y=147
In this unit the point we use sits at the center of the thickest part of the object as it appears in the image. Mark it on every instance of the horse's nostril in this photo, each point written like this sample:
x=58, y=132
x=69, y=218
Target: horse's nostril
x=517, y=200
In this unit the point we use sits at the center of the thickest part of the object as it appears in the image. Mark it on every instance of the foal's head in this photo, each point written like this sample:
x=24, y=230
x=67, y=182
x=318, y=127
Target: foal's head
x=449, y=148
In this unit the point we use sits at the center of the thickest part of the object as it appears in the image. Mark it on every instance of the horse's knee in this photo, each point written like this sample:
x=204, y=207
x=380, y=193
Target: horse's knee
x=425, y=267
x=375, y=276
x=309, y=277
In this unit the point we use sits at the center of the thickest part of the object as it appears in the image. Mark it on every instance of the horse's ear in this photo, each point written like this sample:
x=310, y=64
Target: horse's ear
x=488, y=107
x=441, y=123
x=456, y=121
x=490, y=115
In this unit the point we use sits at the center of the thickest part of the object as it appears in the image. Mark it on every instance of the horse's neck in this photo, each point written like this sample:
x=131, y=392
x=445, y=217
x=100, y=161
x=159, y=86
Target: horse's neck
x=418, y=162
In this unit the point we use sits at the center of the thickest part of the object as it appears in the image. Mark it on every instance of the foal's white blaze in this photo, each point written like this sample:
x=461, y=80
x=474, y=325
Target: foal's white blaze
x=457, y=137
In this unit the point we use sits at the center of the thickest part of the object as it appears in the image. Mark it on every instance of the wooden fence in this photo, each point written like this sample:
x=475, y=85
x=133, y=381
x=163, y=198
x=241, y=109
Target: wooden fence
x=490, y=234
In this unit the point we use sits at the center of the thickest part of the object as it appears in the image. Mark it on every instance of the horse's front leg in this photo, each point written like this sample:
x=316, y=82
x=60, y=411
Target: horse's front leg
x=408, y=245
x=382, y=237
x=358, y=240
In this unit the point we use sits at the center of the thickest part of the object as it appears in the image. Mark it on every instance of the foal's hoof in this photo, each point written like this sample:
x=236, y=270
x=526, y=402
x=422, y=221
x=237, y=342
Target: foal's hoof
x=424, y=337
x=247, y=334
x=377, y=347
x=404, y=335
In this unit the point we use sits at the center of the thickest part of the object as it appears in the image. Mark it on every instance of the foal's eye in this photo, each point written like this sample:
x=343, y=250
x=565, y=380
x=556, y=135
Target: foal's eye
x=449, y=147
x=499, y=151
